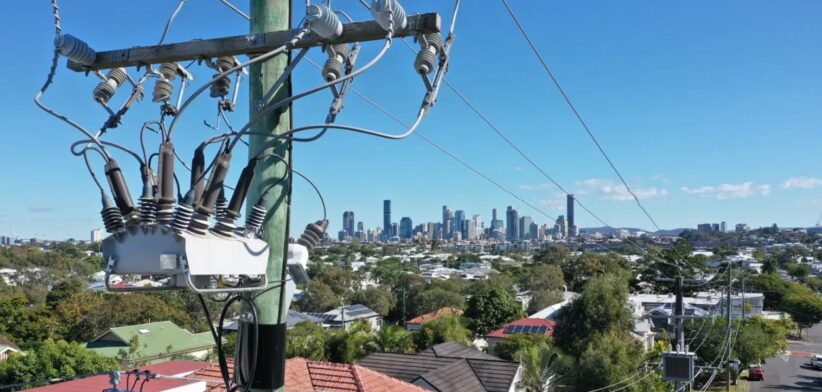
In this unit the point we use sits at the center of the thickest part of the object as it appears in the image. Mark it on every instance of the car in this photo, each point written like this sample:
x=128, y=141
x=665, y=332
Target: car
x=816, y=361
x=756, y=372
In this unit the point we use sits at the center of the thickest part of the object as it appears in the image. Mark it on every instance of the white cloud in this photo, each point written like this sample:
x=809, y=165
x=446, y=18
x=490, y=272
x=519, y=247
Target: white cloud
x=557, y=203
x=802, y=183
x=611, y=190
x=730, y=191
x=537, y=187
x=660, y=178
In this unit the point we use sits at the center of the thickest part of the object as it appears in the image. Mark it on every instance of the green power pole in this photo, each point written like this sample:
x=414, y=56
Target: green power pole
x=269, y=15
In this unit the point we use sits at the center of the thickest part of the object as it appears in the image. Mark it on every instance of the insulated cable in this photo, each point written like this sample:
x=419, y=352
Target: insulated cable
x=50, y=79
x=170, y=21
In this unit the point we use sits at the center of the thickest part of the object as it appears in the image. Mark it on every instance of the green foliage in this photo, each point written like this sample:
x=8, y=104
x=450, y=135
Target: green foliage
x=510, y=347
x=348, y=346
x=54, y=359
x=318, y=297
x=544, y=277
x=608, y=358
x=25, y=324
x=432, y=299
x=798, y=271
x=760, y=339
x=772, y=286
x=490, y=307
x=541, y=363
x=306, y=340
x=63, y=291
x=378, y=299
x=555, y=254
x=544, y=298
x=802, y=304
x=590, y=265
x=602, y=307
x=393, y=339
x=447, y=327
x=387, y=271
x=341, y=281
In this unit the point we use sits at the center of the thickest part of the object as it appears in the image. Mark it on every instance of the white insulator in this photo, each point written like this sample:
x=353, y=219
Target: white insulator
x=221, y=87
x=323, y=21
x=169, y=71
x=380, y=11
x=106, y=89
x=424, y=63
x=75, y=49
x=162, y=90
x=182, y=218
x=199, y=225
x=332, y=69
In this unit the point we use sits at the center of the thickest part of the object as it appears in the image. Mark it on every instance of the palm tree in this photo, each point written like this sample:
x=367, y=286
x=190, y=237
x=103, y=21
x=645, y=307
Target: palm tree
x=393, y=339
x=539, y=363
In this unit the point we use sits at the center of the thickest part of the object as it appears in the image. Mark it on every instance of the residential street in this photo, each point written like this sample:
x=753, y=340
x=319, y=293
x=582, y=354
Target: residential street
x=792, y=373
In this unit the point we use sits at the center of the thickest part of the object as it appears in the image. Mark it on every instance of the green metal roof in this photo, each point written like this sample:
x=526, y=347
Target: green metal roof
x=159, y=339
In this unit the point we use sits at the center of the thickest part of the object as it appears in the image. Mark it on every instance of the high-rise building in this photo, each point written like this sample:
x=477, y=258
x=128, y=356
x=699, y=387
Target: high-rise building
x=96, y=235
x=569, y=205
x=703, y=227
x=386, y=220
x=496, y=223
x=430, y=230
x=348, y=223
x=459, y=222
x=533, y=231
x=471, y=230
x=360, y=226
x=525, y=228
x=715, y=227
x=560, y=227
x=395, y=231
x=723, y=227
x=406, y=228
x=742, y=227
x=447, y=222
x=511, y=224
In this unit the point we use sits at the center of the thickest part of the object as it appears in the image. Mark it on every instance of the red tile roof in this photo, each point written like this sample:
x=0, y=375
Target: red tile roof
x=437, y=313
x=500, y=333
x=304, y=375
x=101, y=382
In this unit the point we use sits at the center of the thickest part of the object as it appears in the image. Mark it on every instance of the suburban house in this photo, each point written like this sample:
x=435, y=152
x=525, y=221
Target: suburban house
x=344, y=316
x=195, y=376
x=448, y=366
x=7, y=348
x=154, y=342
x=524, y=326
x=292, y=318
x=415, y=323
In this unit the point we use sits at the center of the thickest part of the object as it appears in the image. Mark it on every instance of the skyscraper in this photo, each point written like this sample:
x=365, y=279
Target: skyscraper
x=359, y=226
x=348, y=223
x=572, y=226
x=386, y=220
x=447, y=222
x=511, y=224
x=525, y=228
x=406, y=228
x=459, y=222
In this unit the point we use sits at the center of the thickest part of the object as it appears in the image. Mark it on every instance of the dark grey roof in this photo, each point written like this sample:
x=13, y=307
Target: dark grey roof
x=456, y=376
x=445, y=367
x=406, y=367
x=456, y=350
x=495, y=375
x=294, y=317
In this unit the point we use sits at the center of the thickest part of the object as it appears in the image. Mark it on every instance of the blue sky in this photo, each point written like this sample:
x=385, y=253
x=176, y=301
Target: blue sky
x=711, y=110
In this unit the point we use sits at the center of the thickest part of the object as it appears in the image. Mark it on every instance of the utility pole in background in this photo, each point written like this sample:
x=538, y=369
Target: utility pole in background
x=269, y=15
x=679, y=330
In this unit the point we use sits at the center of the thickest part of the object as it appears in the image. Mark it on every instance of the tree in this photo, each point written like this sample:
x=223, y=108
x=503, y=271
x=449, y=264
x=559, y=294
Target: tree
x=544, y=298
x=25, y=324
x=306, y=340
x=554, y=254
x=589, y=265
x=445, y=328
x=348, y=346
x=545, y=277
x=602, y=307
x=490, y=307
x=608, y=358
x=760, y=339
x=803, y=305
x=54, y=359
x=391, y=338
x=540, y=364
x=387, y=271
x=378, y=299
x=318, y=297
x=432, y=299
x=510, y=347
x=63, y=291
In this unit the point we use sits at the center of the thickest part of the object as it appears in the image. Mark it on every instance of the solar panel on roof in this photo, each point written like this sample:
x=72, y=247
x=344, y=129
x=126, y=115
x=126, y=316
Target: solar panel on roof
x=510, y=329
x=542, y=330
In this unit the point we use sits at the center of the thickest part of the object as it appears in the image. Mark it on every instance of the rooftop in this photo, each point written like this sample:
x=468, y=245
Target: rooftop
x=157, y=339
x=437, y=313
x=527, y=326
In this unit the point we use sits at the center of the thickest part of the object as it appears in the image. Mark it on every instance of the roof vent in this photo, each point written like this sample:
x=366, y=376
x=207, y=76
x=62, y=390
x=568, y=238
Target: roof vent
x=143, y=331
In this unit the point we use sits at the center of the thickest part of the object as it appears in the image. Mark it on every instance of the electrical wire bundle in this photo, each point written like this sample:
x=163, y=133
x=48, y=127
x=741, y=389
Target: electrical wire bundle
x=205, y=208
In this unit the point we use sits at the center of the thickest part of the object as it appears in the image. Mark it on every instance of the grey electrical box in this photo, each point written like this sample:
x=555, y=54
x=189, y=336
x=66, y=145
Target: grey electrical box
x=678, y=366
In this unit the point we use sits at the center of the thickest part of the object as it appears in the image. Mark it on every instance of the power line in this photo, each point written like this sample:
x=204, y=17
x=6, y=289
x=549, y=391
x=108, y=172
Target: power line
x=576, y=112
